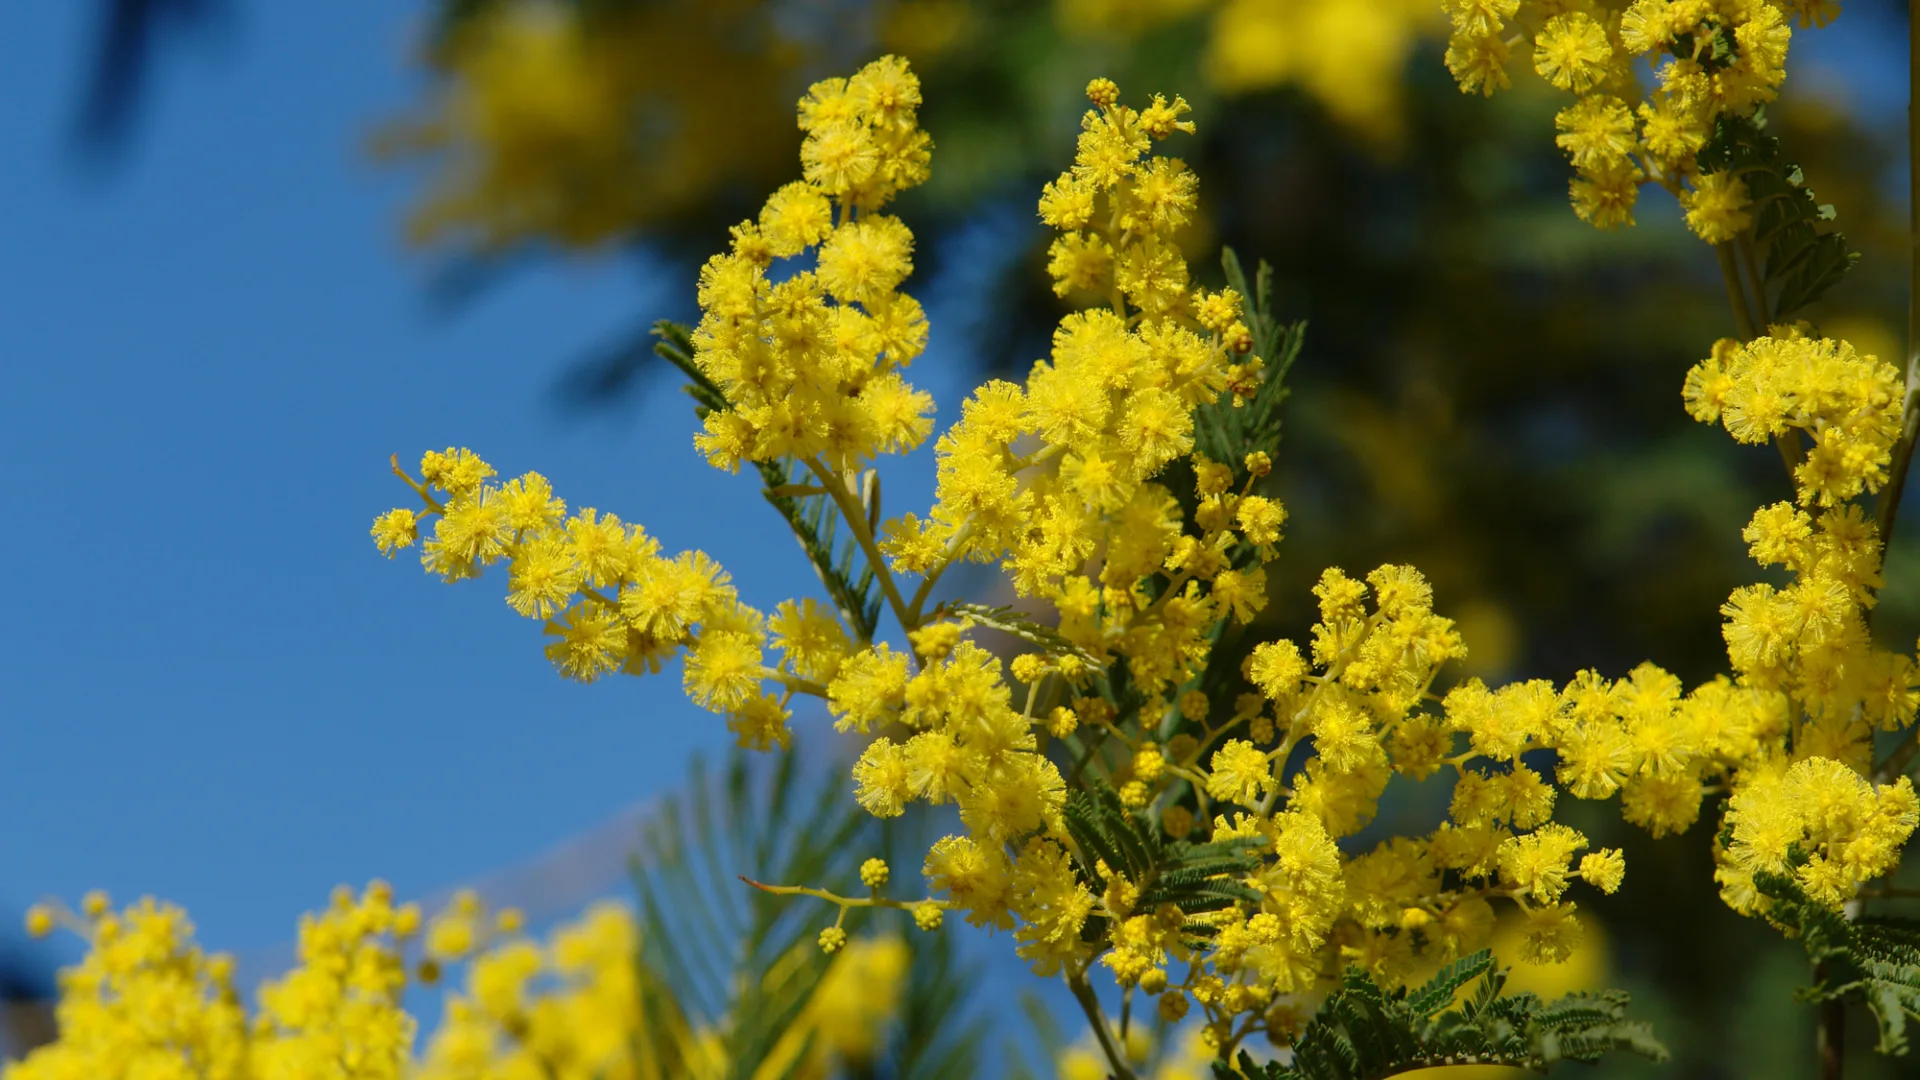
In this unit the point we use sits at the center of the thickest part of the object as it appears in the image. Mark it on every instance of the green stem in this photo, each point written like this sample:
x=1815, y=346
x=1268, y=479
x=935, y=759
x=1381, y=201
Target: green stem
x=844, y=902
x=1758, y=282
x=1831, y=1036
x=1083, y=993
x=856, y=516
x=917, y=608
x=1897, y=761
x=418, y=488
x=1736, y=293
x=1791, y=451
x=794, y=682
x=1889, y=503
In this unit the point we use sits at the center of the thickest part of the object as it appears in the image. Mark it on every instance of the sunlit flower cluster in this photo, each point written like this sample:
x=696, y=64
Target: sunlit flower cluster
x=1711, y=60
x=147, y=1004
x=1072, y=482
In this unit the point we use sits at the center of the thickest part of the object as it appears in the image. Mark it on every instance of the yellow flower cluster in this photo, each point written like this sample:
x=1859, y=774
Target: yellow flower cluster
x=147, y=1003
x=810, y=366
x=1846, y=830
x=1058, y=480
x=1787, y=384
x=1711, y=59
x=567, y=1010
x=1790, y=732
x=610, y=600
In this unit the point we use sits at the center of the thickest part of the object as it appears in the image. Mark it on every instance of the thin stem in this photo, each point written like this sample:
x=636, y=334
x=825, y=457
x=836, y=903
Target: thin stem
x=856, y=516
x=844, y=902
x=1750, y=321
x=1737, y=293
x=794, y=682
x=1832, y=1033
x=1792, y=453
x=1889, y=504
x=1897, y=761
x=917, y=608
x=1756, y=280
x=418, y=488
x=1083, y=993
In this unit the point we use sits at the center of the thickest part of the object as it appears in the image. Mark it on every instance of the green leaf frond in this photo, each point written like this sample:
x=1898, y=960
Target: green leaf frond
x=1803, y=256
x=1226, y=432
x=742, y=965
x=1195, y=878
x=1364, y=1031
x=1872, y=960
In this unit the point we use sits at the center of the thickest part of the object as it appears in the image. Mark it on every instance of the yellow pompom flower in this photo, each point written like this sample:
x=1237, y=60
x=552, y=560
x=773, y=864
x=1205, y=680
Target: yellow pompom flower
x=1571, y=51
x=1717, y=207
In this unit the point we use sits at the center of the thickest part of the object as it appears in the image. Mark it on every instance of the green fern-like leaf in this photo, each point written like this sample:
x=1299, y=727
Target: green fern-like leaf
x=1194, y=877
x=1803, y=256
x=1364, y=1031
x=1874, y=961
x=741, y=964
x=1227, y=432
x=813, y=518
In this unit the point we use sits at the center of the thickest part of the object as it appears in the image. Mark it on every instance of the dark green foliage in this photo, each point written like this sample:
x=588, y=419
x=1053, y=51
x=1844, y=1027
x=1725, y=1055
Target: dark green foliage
x=1224, y=432
x=1195, y=877
x=813, y=517
x=1363, y=1031
x=1803, y=255
x=742, y=962
x=1873, y=960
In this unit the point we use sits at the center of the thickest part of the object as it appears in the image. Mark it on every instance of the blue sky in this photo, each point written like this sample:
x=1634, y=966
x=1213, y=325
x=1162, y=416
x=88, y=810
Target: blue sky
x=212, y=688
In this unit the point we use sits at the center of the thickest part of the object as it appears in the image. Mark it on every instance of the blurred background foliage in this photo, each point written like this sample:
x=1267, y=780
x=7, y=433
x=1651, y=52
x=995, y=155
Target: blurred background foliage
x=1489, y=388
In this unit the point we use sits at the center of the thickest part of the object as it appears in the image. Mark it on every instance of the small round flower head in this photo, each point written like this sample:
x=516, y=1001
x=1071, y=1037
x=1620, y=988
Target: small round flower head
x=1550, y=934
x=832, y=940
x=873, y=873
x=39, y=921
x=394, y=530
x=406, y=920
x=1193, y=704
x=1604, y=869
x=95, y=904
x=1571, y=52
x=928, y=915
x=1717, y=207
x=1103, y=92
